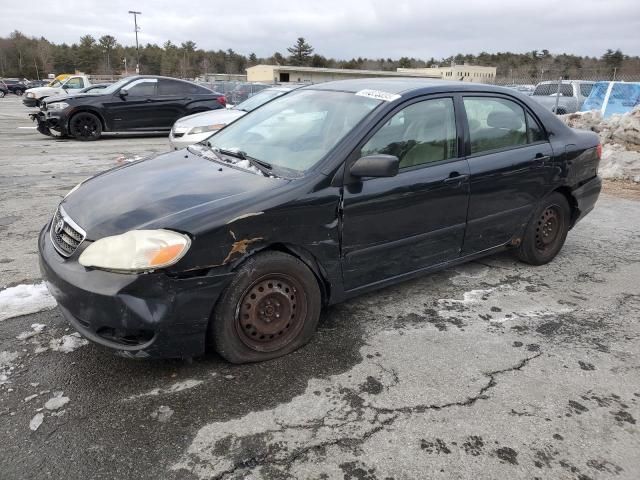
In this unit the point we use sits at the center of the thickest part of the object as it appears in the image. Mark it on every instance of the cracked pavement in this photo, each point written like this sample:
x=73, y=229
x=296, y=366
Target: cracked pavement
x=493, y=369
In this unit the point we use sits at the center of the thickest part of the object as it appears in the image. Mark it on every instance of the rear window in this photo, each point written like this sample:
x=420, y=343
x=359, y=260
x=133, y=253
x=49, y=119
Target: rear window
x=547, y=89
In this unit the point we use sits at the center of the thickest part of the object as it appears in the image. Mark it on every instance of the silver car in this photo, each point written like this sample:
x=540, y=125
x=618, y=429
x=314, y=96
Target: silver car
x=571, y=93
x=199, y=126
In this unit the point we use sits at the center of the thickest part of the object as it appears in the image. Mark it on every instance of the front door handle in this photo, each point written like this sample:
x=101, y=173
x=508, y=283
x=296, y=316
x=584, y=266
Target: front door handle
x=455, y=177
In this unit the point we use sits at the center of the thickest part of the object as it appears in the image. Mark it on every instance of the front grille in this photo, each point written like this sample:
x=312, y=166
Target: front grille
x=66, y=235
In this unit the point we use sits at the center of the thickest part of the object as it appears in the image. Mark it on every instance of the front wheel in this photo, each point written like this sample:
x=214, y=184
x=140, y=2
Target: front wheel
x=270, y=308
x=85, y=126
x=2, y=93
x=546, y=232
x=19, y=92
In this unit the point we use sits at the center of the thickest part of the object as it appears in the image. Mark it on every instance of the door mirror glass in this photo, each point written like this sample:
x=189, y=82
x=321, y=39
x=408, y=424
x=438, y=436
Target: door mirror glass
x=124, y=93
x=375, y=166
x=65, y=87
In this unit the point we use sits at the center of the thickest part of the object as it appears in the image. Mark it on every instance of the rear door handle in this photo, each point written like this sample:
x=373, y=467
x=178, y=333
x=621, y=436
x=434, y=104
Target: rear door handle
x=539, y=159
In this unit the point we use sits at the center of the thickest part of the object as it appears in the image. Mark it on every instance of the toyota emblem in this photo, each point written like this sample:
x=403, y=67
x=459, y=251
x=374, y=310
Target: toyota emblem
x=59, y=227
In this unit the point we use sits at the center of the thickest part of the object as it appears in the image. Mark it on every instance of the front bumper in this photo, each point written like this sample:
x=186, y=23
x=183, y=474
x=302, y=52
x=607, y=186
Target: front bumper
x=30, y=102
x=50, y=120
x=138, y=315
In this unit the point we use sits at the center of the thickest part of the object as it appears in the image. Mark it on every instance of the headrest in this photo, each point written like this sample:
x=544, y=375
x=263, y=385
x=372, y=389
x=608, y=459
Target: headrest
x=507, y=120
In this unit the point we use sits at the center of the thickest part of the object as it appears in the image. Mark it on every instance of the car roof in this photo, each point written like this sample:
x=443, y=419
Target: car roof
x=405, y=85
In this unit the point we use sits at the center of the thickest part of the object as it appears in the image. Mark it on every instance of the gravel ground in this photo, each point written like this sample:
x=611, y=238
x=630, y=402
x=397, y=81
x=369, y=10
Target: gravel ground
x=490, y=370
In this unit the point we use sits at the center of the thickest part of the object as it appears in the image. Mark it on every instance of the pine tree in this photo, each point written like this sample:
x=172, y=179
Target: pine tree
x=300, y=53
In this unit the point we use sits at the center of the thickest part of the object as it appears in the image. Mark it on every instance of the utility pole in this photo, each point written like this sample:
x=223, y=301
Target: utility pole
x=135, y=24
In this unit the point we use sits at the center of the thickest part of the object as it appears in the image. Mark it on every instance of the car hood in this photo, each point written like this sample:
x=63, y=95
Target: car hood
x=169, y=191
x=212, y=117
x=66, y=98
x=40, y=91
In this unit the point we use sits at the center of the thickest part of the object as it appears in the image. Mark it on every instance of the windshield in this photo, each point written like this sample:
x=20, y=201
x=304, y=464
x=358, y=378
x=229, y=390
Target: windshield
x=55, y=83
x=297, y=130
x=258, y=99
x=114, y=87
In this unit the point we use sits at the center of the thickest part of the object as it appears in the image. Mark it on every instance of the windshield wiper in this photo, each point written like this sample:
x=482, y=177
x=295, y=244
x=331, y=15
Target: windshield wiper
x=261, y=165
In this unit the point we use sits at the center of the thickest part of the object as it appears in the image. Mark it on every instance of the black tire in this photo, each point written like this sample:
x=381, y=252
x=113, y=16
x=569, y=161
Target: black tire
x=2, y=93
x=546, y=232
x=85, y=126
x=270, y=308
x=19, y=92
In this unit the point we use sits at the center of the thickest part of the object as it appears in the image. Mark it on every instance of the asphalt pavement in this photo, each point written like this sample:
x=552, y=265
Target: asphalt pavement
x=494, y=369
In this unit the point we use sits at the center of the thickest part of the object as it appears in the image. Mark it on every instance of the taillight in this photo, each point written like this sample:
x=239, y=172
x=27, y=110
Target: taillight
x=222, y=101
x=599, y=151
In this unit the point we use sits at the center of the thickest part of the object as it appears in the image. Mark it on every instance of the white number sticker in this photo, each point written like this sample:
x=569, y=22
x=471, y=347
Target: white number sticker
x=378, y=95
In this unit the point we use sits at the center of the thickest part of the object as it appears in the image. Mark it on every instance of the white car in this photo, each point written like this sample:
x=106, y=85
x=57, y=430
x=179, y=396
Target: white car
x=67, y=86
x=200, y=126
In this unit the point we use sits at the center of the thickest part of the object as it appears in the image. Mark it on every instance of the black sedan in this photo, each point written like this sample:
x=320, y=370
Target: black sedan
x=133, y=104
x=322, y=194
x=15, y=86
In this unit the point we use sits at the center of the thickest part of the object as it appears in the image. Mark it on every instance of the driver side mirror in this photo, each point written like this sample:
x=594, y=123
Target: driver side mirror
x=123, y=93
x=375, y=166
x=65, y=87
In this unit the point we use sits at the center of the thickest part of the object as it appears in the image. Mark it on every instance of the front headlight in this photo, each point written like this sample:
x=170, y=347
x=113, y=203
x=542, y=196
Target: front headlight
x=206, y=128
x=30, y=95
x=136, y=251
x=57, y=105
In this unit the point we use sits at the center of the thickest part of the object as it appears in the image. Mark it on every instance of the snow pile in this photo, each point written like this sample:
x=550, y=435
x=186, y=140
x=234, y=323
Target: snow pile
x=620, y=137
x=162, y=414
x=6, y=365
x=24, y=299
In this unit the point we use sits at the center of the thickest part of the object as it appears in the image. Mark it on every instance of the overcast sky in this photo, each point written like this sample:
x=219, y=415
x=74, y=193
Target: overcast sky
x=344, y=28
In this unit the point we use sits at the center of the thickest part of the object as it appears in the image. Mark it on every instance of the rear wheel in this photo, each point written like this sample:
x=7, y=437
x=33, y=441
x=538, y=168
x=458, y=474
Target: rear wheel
x=19, y=92
x=546, y=232
x=1, y=93
x=85, y=126
x=271, y=308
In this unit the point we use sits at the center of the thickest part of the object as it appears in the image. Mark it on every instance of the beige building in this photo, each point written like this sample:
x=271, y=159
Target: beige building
x=288, y=73
x=461, y=73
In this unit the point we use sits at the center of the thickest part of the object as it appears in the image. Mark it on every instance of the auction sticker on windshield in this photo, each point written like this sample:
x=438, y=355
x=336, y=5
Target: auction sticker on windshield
x=378, y=95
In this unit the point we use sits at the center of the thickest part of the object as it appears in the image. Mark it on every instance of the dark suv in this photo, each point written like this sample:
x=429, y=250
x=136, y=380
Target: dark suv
x=133, y=104
x=15, y=86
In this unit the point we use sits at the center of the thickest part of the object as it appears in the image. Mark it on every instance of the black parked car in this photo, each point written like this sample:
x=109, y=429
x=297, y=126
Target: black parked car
x=133, y=104
x=324, y=193
x=15, y=86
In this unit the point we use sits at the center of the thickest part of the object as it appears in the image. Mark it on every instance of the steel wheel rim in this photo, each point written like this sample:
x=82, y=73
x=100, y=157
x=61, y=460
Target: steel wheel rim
x=271, y=312
x=85, y=126
x=548, y=228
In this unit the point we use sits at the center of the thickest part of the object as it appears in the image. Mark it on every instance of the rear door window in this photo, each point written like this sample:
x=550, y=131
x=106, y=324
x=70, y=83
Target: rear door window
x=495, y=124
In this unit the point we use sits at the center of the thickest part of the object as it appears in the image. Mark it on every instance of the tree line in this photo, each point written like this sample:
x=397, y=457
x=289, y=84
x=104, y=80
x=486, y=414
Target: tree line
x=32, y=57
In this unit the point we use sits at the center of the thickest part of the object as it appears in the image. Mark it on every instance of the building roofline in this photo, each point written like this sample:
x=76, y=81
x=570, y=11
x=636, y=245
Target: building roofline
x=351, y=71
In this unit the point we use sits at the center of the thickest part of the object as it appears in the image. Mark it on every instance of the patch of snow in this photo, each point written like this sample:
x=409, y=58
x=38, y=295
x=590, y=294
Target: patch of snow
x=176, y=387
x=24, y=299
x=57, y=402
x=126, y=159
x=162, y=414
x=68, y=343
x=6, y=365
x=36, y=421
x=30, y=397
x=36, y=329
x=246, y=164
